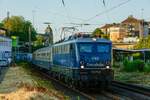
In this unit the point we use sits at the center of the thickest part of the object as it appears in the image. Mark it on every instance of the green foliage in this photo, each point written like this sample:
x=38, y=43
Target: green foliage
x=116, y=65
x=1, y=25
x=132, y=66
x=106, y=36
x=143, y=43
x=97, y=33
x=18, y=26
x=14, y=23
x=137, y=56
x=147, y=67
x=39, y=41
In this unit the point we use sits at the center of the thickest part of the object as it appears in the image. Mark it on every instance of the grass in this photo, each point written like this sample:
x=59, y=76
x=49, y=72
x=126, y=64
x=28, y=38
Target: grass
x=39, y=82
x=22, y=82
x=136, y=72
x=141, y=78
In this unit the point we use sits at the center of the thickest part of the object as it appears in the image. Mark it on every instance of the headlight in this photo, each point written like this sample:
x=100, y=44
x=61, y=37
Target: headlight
x=107, y=67
x=82, y=66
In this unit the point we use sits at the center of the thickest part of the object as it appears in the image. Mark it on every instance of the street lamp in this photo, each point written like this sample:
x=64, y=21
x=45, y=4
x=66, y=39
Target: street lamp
x=48, y=23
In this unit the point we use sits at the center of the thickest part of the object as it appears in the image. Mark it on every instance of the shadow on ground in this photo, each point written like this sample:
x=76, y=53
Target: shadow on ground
x=3, y=71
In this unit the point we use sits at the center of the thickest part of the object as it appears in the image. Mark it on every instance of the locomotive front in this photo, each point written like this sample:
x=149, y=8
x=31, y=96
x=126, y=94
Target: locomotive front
x=94, y=62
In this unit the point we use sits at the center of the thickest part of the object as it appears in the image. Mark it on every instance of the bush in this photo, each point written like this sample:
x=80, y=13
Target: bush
x=125, y=62
x=139, y=64
x=137, y=56
x=132, y=66
x=117, y=64
x=147, y=67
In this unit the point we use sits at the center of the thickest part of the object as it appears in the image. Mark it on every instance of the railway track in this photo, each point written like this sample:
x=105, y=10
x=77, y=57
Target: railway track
x=70, y=88
x=134, y=88
x=62, y=86
x=103, y=95
x=83, y=94
x=131, y=90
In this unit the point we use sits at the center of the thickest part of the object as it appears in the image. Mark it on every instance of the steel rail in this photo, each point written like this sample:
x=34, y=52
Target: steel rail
x=131, y=87
x=46, y=74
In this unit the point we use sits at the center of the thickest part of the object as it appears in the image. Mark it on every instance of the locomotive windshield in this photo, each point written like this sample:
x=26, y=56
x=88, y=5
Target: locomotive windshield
x=94, y=54
x=85, y=48
x=92, y=47
x=103, y=48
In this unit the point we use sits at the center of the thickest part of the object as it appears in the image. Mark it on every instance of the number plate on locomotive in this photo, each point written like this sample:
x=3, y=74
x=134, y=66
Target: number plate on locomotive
x=95, y=72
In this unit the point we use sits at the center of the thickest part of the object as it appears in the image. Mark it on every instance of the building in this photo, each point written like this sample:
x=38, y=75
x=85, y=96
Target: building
x=106, y=28
x=129, y=30
x=117, y=33
x=149, y=27
x=135, y=27
x=3, y=32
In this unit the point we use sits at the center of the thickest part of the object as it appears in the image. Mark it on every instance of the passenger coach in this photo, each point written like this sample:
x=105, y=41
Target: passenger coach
x=5, y=51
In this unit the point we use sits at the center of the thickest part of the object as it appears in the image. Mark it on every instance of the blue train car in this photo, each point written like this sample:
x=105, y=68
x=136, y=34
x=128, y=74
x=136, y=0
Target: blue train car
x=5, y=51
x=23, y=57
x=78, y=61
x=43, y=58
x=83, y=61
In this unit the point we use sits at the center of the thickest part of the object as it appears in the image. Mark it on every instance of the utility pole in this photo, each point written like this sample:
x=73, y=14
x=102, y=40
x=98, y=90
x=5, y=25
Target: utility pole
x=33, y=17
x=142, y=13
x=8, y=15
x=8, y=32
x=30, y=39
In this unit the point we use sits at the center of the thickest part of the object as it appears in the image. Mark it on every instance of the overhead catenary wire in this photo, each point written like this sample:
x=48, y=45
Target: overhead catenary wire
x=108, y=10
x=70, y=17
x=104, y=2
x=63, y=2
x=105, y=7
x=67, y=10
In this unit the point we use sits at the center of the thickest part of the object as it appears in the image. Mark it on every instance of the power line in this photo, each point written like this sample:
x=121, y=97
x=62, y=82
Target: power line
x=108, y=10
x=105, y=8
x=104, y=2
x=63, y=2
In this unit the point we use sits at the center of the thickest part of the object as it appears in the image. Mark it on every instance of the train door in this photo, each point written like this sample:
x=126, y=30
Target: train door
x=72, y=55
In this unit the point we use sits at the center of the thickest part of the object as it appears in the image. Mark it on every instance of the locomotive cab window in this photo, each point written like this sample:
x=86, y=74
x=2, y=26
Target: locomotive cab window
x=103, y=48
x=85, y=48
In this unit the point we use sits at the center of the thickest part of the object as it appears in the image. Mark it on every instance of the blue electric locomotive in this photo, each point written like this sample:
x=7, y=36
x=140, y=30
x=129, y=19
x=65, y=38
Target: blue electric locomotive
x=80, y=61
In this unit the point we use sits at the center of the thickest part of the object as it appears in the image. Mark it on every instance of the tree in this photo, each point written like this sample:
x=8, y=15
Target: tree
x=98, y=33
x=39, y=41
x=143, y=43
x=18, y=26
x=1, y=25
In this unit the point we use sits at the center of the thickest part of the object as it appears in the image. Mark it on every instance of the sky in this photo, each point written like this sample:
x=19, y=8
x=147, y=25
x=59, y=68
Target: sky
x=93, y=12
